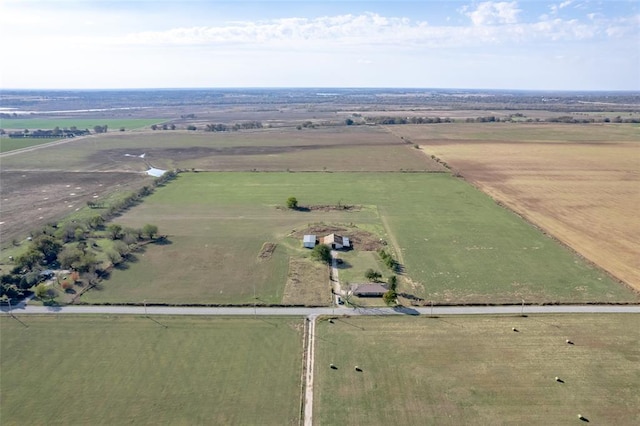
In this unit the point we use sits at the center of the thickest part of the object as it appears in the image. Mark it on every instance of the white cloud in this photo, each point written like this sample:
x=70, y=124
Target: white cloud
x=492, y=13
x=494, y=23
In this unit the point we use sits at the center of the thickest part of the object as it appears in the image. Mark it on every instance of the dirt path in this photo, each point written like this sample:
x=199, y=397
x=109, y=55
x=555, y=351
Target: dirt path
x=310, y=357
x=335, y=280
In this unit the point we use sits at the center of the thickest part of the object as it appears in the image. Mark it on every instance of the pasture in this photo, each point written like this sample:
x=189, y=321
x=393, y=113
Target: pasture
x=477, y=370
x=10, y=144
x=455, y=244
x=578, y=183
x=113, y=124
x=160, y=370
x=325, y=149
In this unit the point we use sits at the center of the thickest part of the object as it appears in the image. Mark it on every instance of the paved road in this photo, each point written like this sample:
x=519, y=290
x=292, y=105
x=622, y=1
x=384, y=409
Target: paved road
x=437, y=310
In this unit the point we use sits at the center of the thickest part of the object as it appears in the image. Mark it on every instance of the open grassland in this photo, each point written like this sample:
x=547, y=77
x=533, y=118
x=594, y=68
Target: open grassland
x=584, y=189
x=113, y=124
x=332, y=149
x=170, y=370
x=454, y=243
x=10, y=144
x=463, y=370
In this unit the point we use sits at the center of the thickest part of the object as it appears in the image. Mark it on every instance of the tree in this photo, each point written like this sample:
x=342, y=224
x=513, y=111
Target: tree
x=41, y=291
x=48, y=246
x=372, y=275
x=393, y=283
x=114, y=231
x=191, y=127
x=390, y=297
x=69, y=256
x=114, y=257
x=348, y=122
x=292, y=203
x=149, y=230
x=321, y=253
x=29, y=259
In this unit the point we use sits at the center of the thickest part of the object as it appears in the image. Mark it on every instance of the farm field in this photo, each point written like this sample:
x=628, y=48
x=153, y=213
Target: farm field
x=455, y=244
x=165, y=370
x=113, y=124
x=9, y=144
x=332, y=149
x=30, y=199
x=581, y=184
x=463, y=370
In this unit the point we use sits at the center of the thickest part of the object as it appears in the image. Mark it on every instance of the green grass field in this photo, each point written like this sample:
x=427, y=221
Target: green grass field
x=112, y=370
x=476, y=370
x=8, y=144
x=113, y=124
x=456, y=244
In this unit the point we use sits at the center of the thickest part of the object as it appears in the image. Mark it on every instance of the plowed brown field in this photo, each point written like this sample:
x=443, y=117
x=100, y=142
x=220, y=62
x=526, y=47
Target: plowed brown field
x=586, y=194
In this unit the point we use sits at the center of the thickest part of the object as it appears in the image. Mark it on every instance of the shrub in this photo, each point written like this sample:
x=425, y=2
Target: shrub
x=321, y=253
x=292, y=203
x=372, y=275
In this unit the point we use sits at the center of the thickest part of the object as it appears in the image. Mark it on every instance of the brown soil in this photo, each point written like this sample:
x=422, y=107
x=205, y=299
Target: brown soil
x=360, y=239
x=267, y=251
x=30, y=199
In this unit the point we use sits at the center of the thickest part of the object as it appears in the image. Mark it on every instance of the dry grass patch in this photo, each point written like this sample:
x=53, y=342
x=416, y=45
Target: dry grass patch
x=464, y=370
x=267, y=251
x=307, y=283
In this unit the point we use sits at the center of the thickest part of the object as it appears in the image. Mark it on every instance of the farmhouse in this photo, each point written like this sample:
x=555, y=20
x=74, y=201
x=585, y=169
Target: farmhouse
x=336, y=241
x=309, y=241
x=370, y=290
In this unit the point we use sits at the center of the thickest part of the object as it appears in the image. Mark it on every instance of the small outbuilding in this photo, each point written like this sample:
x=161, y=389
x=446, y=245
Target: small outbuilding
x=309, y=241
x=370, y=290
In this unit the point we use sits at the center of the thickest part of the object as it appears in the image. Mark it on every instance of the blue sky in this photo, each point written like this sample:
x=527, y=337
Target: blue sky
x=520, y=44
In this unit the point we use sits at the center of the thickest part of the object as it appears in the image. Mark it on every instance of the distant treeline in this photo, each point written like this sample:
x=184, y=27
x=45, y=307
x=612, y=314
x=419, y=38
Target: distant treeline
x=403, y=120
x=45, y=134
x=219, y=127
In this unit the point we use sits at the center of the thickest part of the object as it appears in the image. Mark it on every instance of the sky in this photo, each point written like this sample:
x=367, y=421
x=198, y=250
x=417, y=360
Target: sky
x=519, y=44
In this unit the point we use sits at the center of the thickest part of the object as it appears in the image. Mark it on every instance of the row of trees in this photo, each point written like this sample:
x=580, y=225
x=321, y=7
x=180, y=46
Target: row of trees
x=164, y=126
x=220, y=127
x=388, y=120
